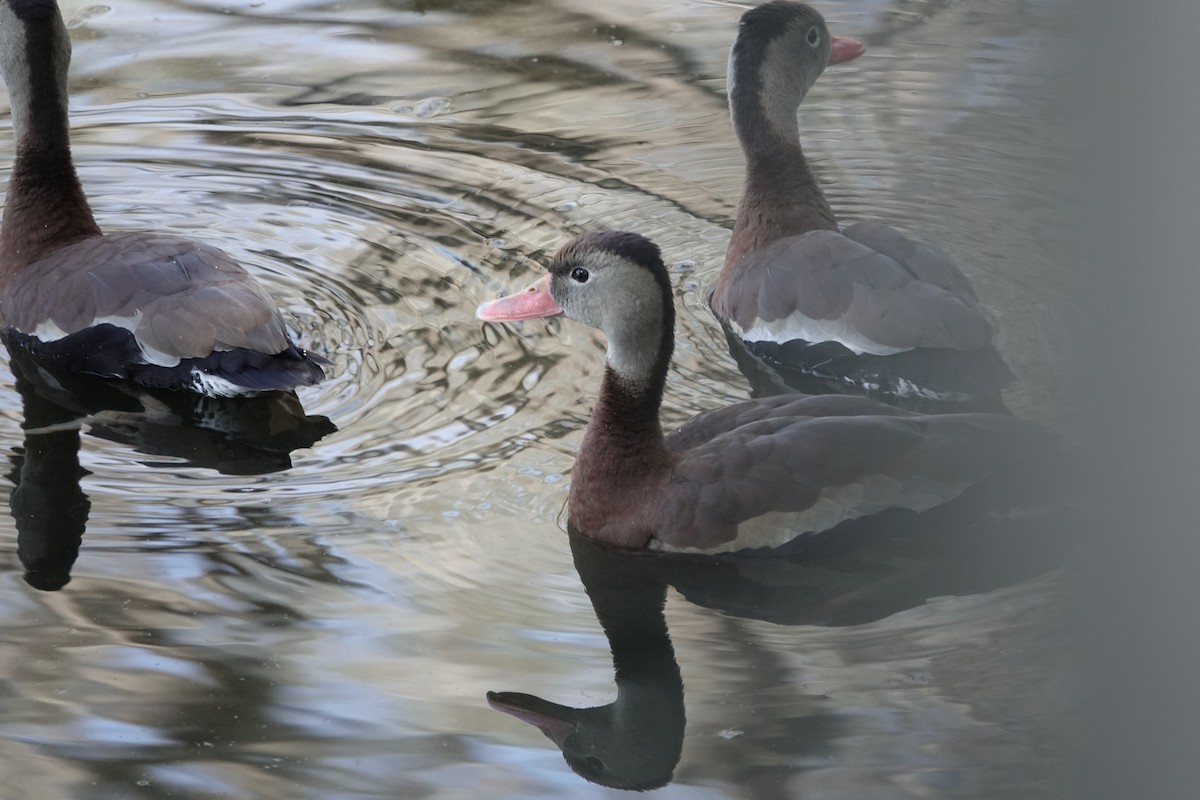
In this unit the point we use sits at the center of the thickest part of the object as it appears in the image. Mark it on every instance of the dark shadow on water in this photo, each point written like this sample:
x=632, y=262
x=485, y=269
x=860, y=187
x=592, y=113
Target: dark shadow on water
x=873, y=571
x=233, y=436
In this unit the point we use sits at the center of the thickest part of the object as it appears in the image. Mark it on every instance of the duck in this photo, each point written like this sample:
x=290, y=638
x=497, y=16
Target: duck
x=156, y=310
x=864, y=307
x=754, y=475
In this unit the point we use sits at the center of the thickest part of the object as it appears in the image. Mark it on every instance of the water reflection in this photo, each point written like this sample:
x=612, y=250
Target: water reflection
x=635, y=741
x=236, y=436
x=877, y=570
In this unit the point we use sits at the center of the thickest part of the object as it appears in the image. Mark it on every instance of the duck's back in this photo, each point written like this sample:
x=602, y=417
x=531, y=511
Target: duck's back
x=160, y=310
x=757, y=474
x=867, y=308
x=871, y=289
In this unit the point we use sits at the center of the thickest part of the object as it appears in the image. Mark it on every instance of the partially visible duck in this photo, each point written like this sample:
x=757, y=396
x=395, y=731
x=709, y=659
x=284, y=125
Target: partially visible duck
x=751, y=475
x=156, y=310
x=865, y=306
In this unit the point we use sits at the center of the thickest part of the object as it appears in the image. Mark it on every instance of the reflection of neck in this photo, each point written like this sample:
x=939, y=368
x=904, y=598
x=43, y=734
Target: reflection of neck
x=628, y=597
x=649, y=705
x=48, y=505
x=633, y=621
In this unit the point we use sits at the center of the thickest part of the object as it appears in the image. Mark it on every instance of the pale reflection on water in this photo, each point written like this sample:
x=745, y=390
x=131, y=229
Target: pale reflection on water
x=330, y=630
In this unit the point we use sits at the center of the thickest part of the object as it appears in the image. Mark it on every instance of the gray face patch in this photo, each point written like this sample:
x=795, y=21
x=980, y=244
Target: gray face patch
x=624, y=301
x=788, y=70
x=18, y=72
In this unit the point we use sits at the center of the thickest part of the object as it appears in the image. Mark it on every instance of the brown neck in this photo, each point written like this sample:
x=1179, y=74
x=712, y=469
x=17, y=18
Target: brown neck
x=781, y=198
x=622, y=455
x=624, y=441
x=44, y=207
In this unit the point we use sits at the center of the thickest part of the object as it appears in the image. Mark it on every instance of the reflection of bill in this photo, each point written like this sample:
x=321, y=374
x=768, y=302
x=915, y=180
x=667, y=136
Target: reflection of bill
x=237, y=436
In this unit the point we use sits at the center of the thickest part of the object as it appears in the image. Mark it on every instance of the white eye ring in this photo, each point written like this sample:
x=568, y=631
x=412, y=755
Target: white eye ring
x=814, y=37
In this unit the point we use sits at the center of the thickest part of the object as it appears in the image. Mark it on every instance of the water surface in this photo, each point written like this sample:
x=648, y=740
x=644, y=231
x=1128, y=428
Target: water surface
x=329, y=630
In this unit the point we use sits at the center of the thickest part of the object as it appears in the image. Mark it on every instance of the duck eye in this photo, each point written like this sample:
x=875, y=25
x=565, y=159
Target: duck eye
x=579, y=275
x=814, y=37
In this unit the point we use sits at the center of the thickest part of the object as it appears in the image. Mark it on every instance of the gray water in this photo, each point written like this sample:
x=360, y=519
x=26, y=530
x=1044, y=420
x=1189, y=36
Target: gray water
x=330, y=630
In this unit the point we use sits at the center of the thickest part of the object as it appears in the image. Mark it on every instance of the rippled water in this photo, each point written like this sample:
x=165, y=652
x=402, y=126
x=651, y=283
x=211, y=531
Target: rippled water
x=330, y=630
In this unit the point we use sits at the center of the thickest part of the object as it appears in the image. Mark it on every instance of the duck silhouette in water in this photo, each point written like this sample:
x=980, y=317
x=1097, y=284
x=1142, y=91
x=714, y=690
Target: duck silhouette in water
x=237, y=436
x=636, y=741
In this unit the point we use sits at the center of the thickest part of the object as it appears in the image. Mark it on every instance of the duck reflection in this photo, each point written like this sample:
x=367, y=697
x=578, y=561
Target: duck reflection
x=236, y=436
x=635, y=742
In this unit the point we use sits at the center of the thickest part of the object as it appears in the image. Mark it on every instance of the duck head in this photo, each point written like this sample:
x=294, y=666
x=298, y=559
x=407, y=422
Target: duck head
x=781, y=49
x=611, y=280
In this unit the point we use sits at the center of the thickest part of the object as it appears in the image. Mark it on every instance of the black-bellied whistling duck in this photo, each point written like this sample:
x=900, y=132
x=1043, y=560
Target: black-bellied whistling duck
x=751, y=475
x=865, y=306
x=160, y=311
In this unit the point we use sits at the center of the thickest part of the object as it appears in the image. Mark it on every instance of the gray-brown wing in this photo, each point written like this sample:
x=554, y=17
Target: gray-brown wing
x=181, y=299
x=825, y=286
x=924, y=261
x=704, y=427
x=824, y=470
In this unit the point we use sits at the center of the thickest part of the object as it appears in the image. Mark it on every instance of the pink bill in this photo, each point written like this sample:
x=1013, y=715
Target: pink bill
x=533, y=302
